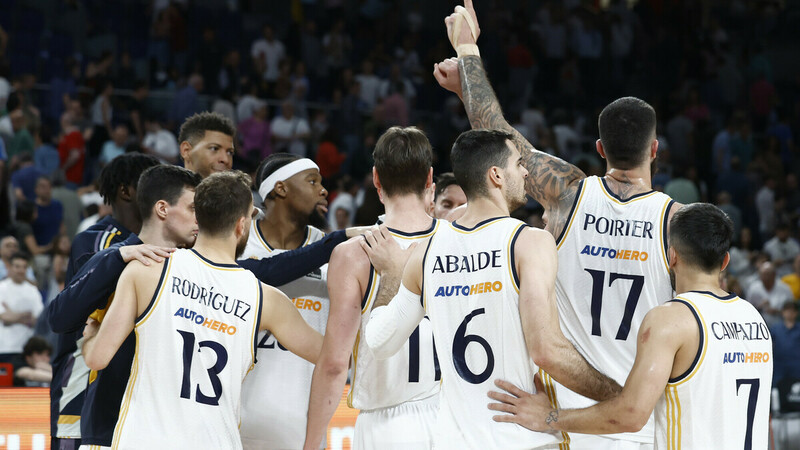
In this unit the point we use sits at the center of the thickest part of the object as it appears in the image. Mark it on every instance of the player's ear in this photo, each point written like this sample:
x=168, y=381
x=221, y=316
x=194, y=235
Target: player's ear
x=376, y=181
x=495, y=176
x=126, y=193
x=725, y=261
x=672, y=256
x=280, y=189
x=429, y=180
x=185, y=148
x=653, y=149
x=600, y=150
x=160, y=209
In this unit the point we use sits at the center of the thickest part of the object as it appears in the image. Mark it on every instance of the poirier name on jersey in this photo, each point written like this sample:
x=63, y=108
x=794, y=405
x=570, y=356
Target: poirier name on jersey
x=275, y=394
x=612, y=270
x=723, y=399
x=195, y=343
x=409, y=375
x=471, y=294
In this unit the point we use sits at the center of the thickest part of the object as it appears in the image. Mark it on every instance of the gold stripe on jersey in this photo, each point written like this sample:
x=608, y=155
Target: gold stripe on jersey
x=571, y=218
x=213, y=266
x=509, y=253
x=550, y=389
x=68, y=419
x=111, y=235
x=162, y=284
x=704, y=337
x=673, y=418
x=416, y=236
x=256, y=324
x=371, y=290
x=355, y=367
x=260, y=238
x=491, y=221
x=663, y=246
x=621, y=202
x=126, y=400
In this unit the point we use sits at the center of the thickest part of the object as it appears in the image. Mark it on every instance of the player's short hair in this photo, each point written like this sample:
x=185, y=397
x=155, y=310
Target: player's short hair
x=272, y=163
x=627, y=127
x=20, y=255
x=36, y=344
x=442, y=182
x=163, y=182
x=221, y=200
x=403, y=158
x=701, y=234
x=194, y=128
x=473, y=153
x=124, y=170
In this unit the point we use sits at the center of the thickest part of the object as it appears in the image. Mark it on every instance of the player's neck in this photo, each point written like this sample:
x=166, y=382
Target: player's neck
x=220, y=250
x=697, y=280
x=406, y=213
x=482, y=208
x=282, y=229
x=128, y=217
x=155, y=234
x=629, y=182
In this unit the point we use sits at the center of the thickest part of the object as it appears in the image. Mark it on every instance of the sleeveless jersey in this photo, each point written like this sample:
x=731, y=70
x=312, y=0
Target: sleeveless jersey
x=195, y=343
x=723, y=400
x=612, y=270
x=470, y=290
x=410, y=374
x=281, y=377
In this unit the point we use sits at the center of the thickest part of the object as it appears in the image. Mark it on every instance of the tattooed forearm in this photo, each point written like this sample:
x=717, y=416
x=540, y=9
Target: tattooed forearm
x=552, y=180
x=552, y=417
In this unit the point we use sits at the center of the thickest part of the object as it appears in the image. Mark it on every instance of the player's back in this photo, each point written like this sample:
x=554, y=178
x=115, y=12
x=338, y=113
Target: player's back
x=471, y=294
x=612, y=270
x=281, y=377
x=722, y=400
x=195, y=343
x=412, y=373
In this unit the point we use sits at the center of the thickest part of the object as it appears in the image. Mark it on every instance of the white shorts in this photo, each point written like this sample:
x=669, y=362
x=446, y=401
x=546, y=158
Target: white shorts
x=593, y=442
x=408, y=425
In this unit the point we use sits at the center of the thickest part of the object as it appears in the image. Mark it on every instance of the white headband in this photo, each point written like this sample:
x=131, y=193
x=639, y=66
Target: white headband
x=284, y=173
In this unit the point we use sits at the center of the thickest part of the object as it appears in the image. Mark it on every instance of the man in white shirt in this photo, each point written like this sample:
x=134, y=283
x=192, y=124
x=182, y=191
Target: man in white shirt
x=370, y=84
x=290, y=132
x=782, y=249
x=768, y=293
x=272, y=50
x=20, y=305
x=159, y=142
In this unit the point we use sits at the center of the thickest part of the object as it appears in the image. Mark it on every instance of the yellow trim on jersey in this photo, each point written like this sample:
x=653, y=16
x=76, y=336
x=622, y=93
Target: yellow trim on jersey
x=258, y=235
x=111, y=235
x=705, y=343
x=126, y=400
x=92, y=376
x=372, y=290
x=673, y=415
x=417, y=236
x=355, y=369
x=508, y=252
x=158, y=297
x=226, y=269
x=550, y=389
x=256, y=322
x=493, y=221
x=572, y=217
x=611, y=197
x=663, y=247
x=730, y=300
x=68, y=419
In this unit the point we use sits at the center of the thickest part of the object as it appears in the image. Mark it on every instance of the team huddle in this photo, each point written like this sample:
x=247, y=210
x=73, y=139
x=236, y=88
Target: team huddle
x=608, y=329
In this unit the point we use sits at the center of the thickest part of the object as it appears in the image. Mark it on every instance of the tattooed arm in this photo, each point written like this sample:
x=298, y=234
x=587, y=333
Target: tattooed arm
x=552, y=181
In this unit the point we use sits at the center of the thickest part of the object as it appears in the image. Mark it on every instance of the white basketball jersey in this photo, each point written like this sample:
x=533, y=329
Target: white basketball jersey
x=275, y=395
x=612, y=270
x=471, y=294
x=410, y=374
x=723, y=400
x=195, y=344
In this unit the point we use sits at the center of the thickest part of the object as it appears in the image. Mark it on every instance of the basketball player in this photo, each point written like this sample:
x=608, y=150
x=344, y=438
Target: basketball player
x=486, y=280
x=448, y=195
x=117, y=186
x=294, y=199
x=397, y=397
x=610, y=231
x=703, y=362
x=195, y=317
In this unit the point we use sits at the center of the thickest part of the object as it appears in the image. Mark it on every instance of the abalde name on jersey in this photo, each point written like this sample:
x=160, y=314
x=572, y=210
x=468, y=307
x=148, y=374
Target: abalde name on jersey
x=208, y=297
x=470, y=264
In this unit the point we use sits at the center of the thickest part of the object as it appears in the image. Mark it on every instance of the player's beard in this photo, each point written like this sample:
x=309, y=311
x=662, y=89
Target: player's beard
x=317, y=219
x=241, y=245
x=672, y=280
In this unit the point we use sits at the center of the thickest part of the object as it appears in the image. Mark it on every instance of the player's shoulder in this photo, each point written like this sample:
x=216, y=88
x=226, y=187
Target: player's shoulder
x=670, y=319
x=138, y=269
x=534, y=237
x=350, y=252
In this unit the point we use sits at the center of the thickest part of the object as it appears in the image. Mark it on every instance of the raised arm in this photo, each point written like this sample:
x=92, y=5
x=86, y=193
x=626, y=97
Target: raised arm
x=282, y=319
x=667, y=342
x=348, y=274
x=537, y=264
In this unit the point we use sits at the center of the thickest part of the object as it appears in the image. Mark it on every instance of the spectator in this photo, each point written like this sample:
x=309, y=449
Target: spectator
x=765, y=204
x=102, y=113
x=337, y=46
x=721, y=148
x=159, y=142
x=248, y=102
x=768, y=294
x=224, y=105
x=369, y=83
x=342, y=211
x=256, y=135
x=70, y=201
x=21, y=141
x=395, y=107
x=230, y=75
x=45, y=156
x=9, y=246
x=72, y=149
x=329, y=158
x=793, y=279
x=36, y=371
x=680, y=131
x=289, y=132
x=270, y=52
x=742, y=255
x=136, y=108
x=24, y=179
x=733, y=212
x=185, y=102
x=447, y=196
x=782, y=249
x=115, y=146
x=20, y=305
x=786, y=344
x=49, y=214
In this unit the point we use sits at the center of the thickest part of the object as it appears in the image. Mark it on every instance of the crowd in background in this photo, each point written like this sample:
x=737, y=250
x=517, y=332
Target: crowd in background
x=82, y=82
